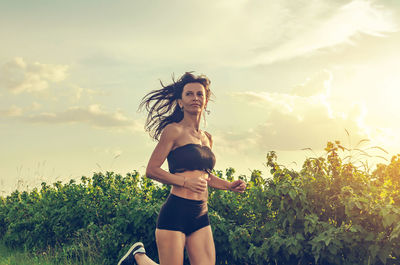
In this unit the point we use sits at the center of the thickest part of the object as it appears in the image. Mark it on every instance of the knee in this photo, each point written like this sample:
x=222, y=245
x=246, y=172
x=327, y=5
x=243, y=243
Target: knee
x=205, y=259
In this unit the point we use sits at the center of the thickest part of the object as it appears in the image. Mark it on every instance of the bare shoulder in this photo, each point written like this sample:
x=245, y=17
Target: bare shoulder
x=167, y=141
x=170, y=133
x=209, y=136
x=172, y=128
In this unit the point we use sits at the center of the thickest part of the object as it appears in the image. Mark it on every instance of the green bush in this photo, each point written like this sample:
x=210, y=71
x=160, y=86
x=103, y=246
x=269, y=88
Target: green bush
x=330, y=212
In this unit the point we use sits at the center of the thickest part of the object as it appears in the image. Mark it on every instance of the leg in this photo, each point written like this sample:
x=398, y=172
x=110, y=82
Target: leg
x=200, y=247
x=170, y=245
x=142, y=259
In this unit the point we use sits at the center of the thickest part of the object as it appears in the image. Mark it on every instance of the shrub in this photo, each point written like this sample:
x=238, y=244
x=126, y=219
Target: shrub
x=330, y=212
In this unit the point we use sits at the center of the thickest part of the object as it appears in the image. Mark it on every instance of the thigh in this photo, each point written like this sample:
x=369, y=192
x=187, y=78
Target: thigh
x=170, y=245
x=200, y=247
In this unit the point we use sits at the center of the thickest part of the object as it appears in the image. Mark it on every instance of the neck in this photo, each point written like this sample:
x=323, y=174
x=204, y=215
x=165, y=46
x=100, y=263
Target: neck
x=191, y=121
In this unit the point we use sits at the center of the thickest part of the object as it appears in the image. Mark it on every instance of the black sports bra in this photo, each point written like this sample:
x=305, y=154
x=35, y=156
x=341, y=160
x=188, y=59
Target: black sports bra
x=191, y=157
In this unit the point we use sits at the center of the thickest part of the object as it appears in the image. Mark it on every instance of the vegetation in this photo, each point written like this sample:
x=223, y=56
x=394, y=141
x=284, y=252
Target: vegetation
x=25, y=257
x=330, y=212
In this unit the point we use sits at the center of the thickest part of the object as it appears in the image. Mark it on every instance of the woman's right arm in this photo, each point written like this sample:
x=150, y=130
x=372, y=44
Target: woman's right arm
x=160, y=153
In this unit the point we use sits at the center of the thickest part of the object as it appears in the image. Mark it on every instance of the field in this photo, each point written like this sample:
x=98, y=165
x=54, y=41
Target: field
x=335, y=210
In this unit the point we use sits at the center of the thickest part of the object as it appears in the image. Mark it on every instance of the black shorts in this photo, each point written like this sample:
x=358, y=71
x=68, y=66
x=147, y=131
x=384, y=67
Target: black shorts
x=185, y=215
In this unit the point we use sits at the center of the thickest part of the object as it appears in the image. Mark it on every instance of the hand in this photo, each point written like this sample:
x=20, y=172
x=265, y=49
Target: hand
x=196, y=184
x=237, y=186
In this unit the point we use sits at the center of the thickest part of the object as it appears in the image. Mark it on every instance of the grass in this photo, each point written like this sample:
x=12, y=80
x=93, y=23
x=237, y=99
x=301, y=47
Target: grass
x=19, y=257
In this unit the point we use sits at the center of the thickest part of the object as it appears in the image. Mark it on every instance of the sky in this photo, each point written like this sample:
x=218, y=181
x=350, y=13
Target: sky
x=286, y=75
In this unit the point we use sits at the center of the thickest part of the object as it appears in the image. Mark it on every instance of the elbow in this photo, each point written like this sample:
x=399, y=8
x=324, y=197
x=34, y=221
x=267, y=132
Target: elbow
x=149, y=173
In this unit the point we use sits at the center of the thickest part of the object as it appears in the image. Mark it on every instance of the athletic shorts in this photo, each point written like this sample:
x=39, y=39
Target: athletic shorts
x=185, y=215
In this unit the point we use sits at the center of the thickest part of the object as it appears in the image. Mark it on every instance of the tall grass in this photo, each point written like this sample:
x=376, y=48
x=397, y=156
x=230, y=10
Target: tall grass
x=49, y=257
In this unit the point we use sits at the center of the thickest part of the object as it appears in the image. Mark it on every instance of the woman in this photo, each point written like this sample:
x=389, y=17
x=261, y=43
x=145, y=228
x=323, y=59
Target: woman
x=174, y=120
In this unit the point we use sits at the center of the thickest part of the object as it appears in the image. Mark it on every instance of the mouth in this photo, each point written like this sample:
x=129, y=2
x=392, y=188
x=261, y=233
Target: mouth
x=196, y=105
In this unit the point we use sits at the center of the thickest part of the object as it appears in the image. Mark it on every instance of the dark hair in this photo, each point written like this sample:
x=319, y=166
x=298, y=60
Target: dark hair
x=162, y=106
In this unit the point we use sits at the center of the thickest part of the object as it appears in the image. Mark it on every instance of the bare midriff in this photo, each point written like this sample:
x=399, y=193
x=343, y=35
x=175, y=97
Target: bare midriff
x=187, y=193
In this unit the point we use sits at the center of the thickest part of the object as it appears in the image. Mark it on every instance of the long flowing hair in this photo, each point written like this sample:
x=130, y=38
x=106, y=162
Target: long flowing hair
x=162, y=105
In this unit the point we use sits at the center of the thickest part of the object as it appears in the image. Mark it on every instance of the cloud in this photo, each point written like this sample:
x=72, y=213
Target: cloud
x=261, y=32
x=320, y=84
x=312, y=128
x=93, y=115
x=328, y=25
x=15, y=111
x=12, y=111
x=237, y=32
x=18, y=76
x=302, y=119
x=35, y=106
x=80, y=91
x=315, y=91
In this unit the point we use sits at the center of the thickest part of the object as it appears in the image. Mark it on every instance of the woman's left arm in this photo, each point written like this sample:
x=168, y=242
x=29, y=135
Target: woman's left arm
x=221, y=184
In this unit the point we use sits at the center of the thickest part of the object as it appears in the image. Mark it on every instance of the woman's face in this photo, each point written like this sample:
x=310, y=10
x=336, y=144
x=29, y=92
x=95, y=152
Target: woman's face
x=193, y=97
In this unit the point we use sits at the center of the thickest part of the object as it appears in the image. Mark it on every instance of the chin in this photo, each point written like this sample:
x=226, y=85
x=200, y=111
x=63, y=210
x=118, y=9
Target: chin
x=195, y=111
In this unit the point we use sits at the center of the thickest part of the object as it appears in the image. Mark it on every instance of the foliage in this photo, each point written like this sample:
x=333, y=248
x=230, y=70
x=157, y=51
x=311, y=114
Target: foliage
x=49, y=257
x=330, y=212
